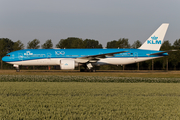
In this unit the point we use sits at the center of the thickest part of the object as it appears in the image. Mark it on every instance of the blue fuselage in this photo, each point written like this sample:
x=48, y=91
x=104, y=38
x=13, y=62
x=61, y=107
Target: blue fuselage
x=37, y=54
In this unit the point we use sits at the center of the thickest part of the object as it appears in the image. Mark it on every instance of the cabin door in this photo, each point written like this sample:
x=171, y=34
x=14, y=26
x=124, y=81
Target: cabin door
x=48, y=55
x=135, y=55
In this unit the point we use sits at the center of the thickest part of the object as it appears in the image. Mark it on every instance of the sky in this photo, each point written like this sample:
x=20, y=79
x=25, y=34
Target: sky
x=102, y=20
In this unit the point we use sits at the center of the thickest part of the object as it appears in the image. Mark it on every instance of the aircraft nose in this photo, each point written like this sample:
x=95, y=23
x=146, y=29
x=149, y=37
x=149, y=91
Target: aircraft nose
x=4, y=59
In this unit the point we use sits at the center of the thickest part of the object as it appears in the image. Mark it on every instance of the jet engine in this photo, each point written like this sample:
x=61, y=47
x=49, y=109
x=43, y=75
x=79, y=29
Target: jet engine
x=67, y=64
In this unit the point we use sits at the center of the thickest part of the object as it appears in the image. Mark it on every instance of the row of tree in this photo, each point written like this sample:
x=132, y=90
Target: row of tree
x=8, y=45
x=65, y=43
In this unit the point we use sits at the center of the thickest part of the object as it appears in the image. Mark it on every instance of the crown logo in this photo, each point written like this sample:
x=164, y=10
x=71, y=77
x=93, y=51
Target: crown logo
x=28, y=53
x=154, y=38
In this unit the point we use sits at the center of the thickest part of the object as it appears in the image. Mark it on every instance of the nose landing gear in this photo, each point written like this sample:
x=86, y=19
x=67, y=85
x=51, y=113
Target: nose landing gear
x=17, y=68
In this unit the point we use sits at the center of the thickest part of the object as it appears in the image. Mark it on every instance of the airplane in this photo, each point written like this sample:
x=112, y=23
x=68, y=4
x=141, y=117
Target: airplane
x=68, y=59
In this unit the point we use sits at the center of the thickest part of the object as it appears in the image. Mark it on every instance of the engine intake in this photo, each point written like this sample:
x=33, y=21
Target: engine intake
x=67, y=64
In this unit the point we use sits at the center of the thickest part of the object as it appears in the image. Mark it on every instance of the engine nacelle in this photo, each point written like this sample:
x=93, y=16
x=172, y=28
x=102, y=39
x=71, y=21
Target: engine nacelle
x=67, y=64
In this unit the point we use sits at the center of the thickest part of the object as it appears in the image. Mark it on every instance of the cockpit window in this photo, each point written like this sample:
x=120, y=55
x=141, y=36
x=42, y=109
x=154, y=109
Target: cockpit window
x=8, y=55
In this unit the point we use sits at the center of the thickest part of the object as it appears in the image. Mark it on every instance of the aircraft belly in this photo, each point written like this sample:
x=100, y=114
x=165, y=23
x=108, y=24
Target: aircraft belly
x=117, y=61
x=38, y=62
x=51, y=61
x=123, y=61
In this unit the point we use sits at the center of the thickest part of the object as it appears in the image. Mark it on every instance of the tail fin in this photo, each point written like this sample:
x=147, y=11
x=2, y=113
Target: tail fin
x=155, y=41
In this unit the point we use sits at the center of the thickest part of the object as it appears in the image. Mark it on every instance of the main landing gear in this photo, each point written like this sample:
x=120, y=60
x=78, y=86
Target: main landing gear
x=88, y=68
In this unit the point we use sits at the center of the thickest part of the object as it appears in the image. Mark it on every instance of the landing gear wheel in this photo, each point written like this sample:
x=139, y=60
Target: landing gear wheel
x=17, y=70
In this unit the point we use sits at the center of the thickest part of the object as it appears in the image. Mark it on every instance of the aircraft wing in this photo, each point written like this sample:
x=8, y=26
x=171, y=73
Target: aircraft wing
x=95, y=58
x=162, y=52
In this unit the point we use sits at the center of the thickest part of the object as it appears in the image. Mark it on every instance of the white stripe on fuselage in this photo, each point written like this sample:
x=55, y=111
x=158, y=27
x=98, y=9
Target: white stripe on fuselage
x=56, y=61
x=123, y=61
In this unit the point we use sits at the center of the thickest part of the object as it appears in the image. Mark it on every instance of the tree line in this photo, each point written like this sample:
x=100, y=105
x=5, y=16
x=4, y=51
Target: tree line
x=8, y=45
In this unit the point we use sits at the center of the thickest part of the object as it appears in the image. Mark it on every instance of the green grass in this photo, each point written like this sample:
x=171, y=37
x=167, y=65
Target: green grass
x=86, y=100
x=40, y=95
x=41, y=78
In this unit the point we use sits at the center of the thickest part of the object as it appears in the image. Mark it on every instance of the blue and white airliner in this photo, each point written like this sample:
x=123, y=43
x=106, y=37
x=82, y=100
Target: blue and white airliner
x=68, y=59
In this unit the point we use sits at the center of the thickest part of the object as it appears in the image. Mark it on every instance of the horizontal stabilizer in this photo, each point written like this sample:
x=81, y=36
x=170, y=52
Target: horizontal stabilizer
x=162, y=52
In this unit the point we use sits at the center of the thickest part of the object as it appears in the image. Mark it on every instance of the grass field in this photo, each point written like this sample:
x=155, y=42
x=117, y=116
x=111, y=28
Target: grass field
x=103, y=95
x=52, y=100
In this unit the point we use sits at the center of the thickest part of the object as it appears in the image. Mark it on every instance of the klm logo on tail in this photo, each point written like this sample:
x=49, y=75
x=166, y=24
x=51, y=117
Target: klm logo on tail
x=154, y=40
